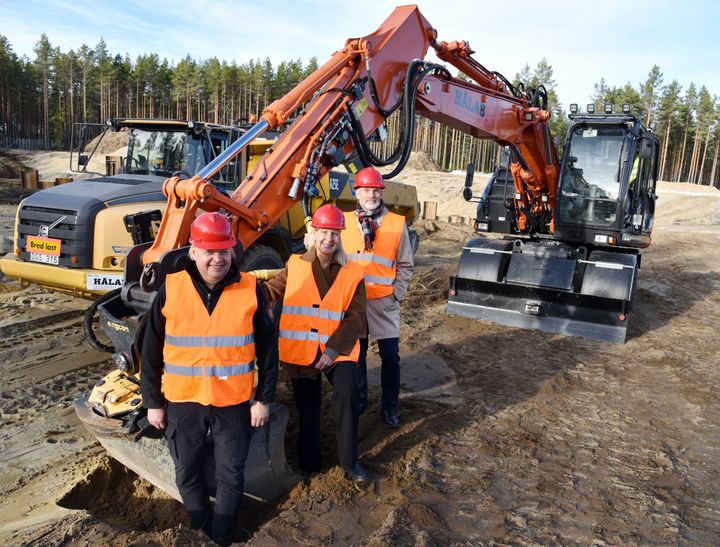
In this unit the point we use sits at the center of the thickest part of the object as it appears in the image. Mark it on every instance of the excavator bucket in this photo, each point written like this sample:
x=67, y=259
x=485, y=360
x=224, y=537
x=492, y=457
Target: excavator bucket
x=267, y=475
x=545, y=285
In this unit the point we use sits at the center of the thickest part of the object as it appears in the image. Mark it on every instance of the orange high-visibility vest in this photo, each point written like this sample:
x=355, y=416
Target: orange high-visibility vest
x=308, y=321
x=209, y=359
x=380, y=263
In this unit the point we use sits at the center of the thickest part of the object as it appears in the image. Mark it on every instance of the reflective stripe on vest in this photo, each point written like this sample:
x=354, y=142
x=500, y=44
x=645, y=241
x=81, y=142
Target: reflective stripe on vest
x=209, y=359
x=312, y=312
x=367, y=257
x=380, y=264
x=211, y=370
x=210, y=341
x=307, y=321
x=303, y=335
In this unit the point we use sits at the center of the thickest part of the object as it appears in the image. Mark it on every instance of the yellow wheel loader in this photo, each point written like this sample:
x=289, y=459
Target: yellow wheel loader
x=75, y=237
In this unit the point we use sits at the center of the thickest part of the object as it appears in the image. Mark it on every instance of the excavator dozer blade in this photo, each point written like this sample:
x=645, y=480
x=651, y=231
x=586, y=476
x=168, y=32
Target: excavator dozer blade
x=546, y=286
x=267, y=475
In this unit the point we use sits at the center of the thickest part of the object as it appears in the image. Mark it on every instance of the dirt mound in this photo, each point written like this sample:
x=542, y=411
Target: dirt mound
x=11, y=190
x=114, y=494
x=682, y=203
x=421, y=161
x=10, y=167
x=108, y=144
x=83, y=528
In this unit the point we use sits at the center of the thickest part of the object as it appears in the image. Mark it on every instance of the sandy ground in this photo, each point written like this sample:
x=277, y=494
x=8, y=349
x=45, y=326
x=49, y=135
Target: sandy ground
x=509, y=436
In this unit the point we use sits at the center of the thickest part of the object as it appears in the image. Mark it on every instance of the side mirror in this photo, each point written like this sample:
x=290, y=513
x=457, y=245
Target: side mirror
x=646, y=145
x=469, y=175
x=467, y=193
x=82, y=159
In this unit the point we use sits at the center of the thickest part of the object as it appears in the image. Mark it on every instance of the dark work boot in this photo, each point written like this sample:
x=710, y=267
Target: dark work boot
x=390, y=417
x=357, y=473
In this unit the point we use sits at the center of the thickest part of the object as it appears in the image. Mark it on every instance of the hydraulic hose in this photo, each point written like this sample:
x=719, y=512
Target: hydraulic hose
x=88, y=322
x=407, y=133
x=410, y=117
x=539, y=97
x=367, y=156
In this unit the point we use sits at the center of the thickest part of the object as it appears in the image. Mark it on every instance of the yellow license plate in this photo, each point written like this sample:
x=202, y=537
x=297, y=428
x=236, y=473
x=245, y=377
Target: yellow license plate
x=43, y=245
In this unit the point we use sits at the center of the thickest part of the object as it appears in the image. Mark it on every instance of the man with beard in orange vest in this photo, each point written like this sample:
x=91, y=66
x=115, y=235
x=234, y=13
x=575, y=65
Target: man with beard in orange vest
x=379, y=241
x=322, y=318
x=207, y=333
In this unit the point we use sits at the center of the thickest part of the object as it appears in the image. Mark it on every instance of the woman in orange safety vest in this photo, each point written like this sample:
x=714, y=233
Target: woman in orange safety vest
x=322, y=317
x=207, y=333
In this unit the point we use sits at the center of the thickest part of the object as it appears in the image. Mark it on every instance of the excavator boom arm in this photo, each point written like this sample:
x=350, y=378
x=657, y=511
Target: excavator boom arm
x=348, y=98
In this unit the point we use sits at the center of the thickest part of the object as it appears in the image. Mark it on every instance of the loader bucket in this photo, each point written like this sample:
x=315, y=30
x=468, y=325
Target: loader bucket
x=267, y=475
x=548, y=286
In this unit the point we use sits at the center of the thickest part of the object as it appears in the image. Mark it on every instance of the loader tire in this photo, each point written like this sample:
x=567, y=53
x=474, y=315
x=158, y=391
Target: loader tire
x=263, y=257
x=260, y=257
x=89, y=319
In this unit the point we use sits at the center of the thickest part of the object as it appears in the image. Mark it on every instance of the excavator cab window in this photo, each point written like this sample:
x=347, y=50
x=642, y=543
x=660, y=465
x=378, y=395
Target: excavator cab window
x=590, y=181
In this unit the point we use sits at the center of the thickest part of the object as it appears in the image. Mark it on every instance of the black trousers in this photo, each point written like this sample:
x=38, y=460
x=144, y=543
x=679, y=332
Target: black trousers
x=187, y=435
x=308, y=401
x=389, y=349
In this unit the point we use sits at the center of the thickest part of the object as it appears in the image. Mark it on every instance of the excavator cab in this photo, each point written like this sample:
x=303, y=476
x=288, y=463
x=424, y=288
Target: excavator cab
x=606, y=188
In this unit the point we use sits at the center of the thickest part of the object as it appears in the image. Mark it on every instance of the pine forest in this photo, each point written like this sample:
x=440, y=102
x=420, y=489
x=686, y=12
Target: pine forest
x=41, y=99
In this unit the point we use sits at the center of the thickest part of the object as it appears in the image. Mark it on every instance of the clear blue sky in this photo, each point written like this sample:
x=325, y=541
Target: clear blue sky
x=583, y=41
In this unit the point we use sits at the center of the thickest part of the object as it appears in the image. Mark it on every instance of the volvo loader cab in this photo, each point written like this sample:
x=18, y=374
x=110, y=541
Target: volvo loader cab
x=161, y=147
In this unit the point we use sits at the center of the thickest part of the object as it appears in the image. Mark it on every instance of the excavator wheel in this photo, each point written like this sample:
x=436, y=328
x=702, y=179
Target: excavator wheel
x=262, y=257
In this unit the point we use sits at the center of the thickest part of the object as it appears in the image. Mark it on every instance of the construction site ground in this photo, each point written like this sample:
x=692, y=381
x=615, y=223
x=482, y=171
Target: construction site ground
x=509, y=436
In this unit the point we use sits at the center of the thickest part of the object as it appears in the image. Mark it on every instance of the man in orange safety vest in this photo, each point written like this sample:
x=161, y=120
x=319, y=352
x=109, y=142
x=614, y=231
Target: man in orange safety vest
x=207, y=333
x=379, y=241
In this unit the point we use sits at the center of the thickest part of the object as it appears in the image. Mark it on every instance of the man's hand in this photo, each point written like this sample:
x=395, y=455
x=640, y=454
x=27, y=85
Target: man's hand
x=324, y=362
x=157, y=417
x=259, y=414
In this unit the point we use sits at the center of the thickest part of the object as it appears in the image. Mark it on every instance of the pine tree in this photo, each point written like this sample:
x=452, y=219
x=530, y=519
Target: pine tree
x=44, y=57
x=668, y=122
x=650, y=92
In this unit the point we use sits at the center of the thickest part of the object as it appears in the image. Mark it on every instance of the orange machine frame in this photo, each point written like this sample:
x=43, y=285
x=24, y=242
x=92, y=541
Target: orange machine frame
x=484, y=108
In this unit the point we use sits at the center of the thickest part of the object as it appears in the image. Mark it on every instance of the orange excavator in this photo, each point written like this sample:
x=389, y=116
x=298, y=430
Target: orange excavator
x=562, y=223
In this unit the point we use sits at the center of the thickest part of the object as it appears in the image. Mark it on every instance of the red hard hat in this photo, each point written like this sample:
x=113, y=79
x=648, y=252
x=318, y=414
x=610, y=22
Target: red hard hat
x=329, y=217
x=368, y=177
x=211, y=231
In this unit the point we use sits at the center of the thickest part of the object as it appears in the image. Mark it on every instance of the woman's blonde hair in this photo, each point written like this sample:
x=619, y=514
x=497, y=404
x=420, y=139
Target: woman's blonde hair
x=340, y=256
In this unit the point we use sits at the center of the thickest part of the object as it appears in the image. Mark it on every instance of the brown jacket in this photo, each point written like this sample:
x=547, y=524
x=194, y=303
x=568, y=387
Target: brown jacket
x=344, y=338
